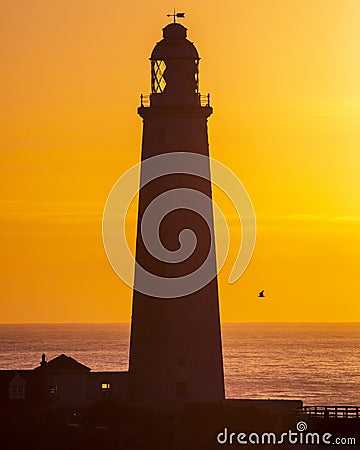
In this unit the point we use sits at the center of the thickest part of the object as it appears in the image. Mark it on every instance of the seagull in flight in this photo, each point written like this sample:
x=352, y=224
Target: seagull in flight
x=261, y=294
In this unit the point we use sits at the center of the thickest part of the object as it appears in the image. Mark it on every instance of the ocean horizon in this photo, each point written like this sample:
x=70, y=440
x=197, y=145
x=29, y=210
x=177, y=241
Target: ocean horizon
x=316, y=362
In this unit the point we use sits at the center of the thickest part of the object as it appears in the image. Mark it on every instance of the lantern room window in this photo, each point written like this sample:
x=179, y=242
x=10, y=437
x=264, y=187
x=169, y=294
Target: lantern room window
x=197, y=76
x=158, y=82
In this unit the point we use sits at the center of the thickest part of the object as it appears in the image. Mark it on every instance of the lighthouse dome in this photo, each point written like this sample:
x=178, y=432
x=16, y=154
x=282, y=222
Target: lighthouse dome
x=174, y=44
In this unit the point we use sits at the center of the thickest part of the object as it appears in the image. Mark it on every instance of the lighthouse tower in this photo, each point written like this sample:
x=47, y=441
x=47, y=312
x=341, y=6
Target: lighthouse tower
x=175, y=345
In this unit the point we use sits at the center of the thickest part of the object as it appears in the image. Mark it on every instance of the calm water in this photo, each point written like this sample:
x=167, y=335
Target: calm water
x=318, y=363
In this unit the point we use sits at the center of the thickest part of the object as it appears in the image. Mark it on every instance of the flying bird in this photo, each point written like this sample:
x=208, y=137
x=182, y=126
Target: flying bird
x=261, y=294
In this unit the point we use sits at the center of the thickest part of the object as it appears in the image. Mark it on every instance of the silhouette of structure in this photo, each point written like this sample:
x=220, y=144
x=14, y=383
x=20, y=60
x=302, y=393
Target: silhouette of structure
x=60, y=382
x=175, y=348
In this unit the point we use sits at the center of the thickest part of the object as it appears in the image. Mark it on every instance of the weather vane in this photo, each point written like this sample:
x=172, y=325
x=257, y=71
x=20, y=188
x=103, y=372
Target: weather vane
x=176, y=15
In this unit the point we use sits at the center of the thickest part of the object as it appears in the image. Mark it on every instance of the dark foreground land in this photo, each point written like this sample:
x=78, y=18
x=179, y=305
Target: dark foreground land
x=107, y=426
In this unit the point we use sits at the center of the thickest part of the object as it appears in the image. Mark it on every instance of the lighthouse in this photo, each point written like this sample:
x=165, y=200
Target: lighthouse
x=175, y=343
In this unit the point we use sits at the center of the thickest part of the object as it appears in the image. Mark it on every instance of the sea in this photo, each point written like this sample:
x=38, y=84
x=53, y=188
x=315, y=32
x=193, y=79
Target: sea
x=318, y=363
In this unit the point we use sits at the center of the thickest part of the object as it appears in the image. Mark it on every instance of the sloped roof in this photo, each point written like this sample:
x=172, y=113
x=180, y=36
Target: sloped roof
x=63, y=362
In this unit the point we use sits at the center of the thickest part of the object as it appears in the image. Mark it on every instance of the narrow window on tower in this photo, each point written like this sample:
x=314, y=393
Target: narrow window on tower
x=161, y=135
x=197, y=76
x=182, y=361
x=158, y=82
x=181, y=389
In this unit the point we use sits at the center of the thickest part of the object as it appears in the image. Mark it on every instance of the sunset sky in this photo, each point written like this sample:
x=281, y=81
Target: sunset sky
x=284, y=78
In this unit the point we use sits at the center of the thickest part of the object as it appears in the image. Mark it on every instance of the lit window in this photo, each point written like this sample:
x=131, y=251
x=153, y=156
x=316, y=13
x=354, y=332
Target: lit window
x=105, y=390
x=157, y=76
x=53, y=392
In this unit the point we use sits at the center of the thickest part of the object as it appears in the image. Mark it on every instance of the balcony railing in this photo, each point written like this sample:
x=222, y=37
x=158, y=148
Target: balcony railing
x=336, y=412
x=144, y=100
x=204, y=100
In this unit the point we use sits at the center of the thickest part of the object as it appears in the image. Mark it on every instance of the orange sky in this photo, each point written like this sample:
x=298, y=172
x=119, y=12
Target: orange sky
x=284, y=77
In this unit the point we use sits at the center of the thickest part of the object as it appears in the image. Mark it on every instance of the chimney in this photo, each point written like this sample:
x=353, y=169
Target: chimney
x=43, y=360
